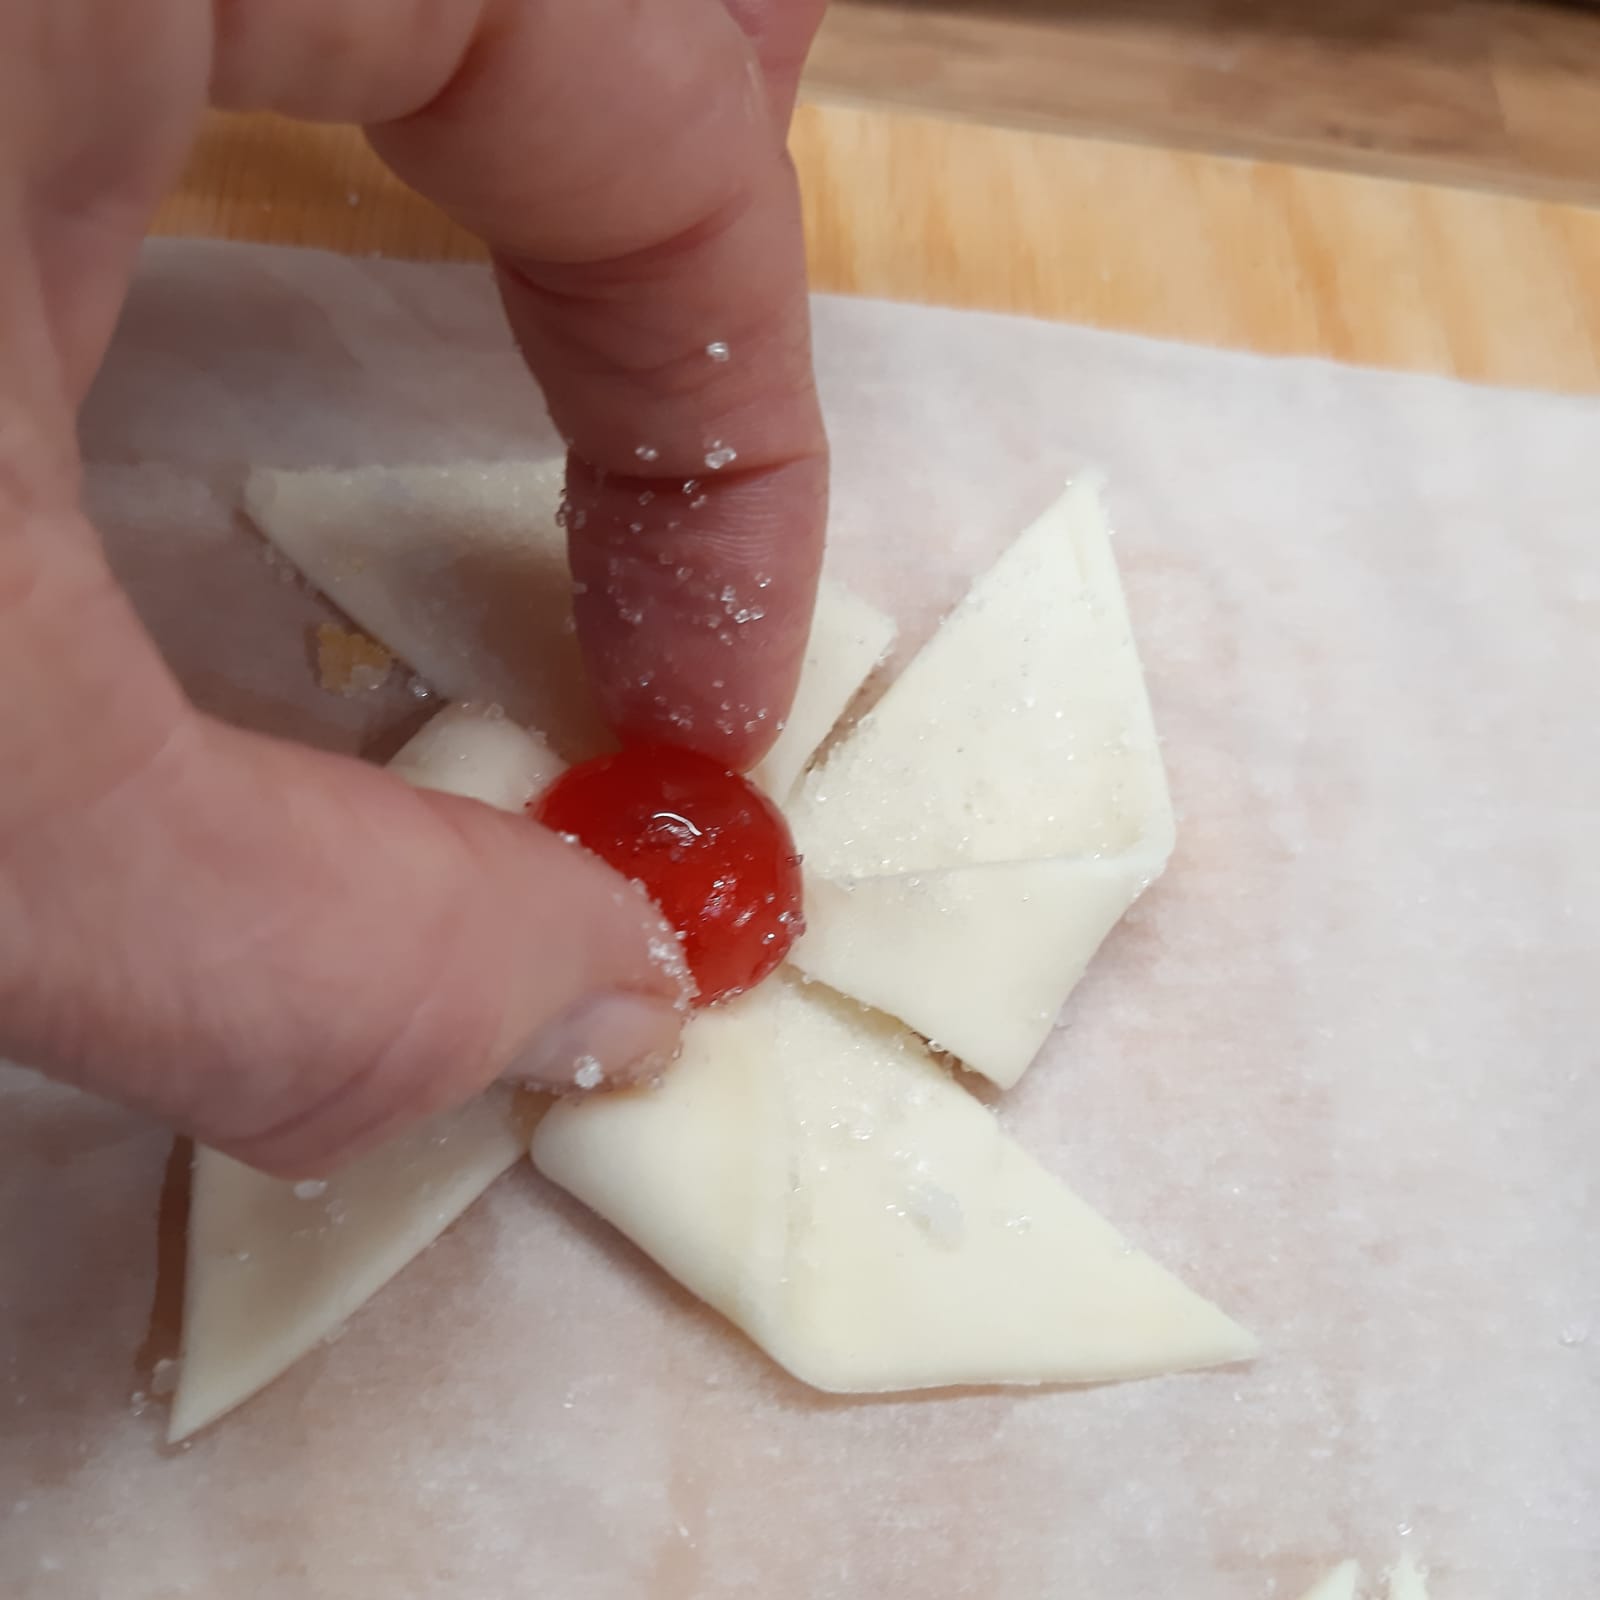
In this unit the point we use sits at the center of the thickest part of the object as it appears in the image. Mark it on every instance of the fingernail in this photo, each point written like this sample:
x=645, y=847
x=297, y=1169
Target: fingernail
x=612, y=1039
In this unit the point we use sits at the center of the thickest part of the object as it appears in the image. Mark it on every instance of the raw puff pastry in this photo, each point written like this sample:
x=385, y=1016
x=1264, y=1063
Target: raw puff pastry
x=808, y=1168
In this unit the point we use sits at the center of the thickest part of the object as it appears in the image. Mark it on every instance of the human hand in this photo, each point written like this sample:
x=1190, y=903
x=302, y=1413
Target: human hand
x=289, y=954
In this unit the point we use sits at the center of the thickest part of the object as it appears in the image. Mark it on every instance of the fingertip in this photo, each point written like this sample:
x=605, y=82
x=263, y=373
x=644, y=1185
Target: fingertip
x=606, y=1041
x=358, y=980
x=693, y=600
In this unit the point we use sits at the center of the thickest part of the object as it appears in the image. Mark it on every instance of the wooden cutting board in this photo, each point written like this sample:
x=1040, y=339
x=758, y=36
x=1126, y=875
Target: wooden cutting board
x=1248, y=254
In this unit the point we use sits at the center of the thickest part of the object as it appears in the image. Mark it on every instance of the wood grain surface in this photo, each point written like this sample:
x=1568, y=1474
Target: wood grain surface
x=1495, y=93
x=1254, y=255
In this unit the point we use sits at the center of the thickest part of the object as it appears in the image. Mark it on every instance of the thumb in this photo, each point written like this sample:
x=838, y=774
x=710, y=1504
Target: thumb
x=288, y=954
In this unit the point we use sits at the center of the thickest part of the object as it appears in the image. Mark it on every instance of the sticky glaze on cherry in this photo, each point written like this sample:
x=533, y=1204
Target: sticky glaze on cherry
x=710, y=849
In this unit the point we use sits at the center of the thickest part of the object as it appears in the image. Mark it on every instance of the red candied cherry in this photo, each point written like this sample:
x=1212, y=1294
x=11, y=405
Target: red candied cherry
x=710, y=849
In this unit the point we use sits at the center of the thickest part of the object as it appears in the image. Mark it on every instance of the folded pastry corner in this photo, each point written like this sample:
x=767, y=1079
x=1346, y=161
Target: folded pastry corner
x=811, y=1172
x=972, y=841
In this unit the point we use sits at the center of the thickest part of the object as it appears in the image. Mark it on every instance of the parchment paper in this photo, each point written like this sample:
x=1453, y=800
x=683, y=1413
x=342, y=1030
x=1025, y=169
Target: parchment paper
x=1339, y=1068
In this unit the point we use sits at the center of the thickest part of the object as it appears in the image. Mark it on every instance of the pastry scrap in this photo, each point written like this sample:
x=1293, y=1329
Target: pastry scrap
x=808, y=1168
x=349, y=663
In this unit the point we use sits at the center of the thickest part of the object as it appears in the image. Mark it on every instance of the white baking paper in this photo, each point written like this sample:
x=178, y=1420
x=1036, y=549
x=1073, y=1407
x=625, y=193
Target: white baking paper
x=1340, y=1068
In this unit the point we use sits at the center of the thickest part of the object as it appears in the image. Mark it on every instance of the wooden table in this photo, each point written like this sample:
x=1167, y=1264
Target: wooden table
x=1253, y=255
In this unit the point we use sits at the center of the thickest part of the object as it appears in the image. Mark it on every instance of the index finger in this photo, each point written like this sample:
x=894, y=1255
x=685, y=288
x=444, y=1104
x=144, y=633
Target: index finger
x=626, y=163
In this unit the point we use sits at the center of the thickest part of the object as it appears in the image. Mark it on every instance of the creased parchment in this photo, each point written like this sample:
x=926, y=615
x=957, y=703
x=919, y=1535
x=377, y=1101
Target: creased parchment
x=1340, y=1066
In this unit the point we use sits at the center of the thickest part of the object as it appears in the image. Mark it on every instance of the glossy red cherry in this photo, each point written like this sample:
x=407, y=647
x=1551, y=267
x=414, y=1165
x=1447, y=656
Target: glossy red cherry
x=710, y=849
